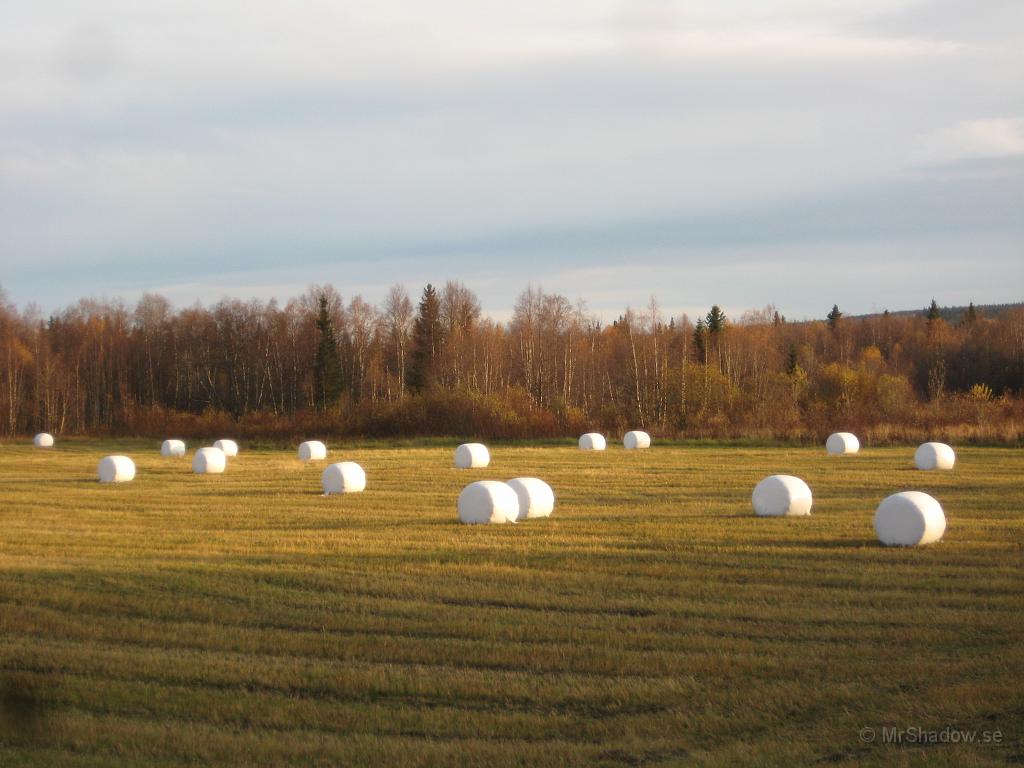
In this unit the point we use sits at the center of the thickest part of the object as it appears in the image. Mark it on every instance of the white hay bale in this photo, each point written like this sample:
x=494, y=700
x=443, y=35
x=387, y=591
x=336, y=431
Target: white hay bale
x=536, y=499
x=592, y=441
x=209, y=461
x=779, y=495
x=43, y=440
x=909, y=518
x=172, y=448
x=230, y=447
x=472, y=456
x=934, y=456
x=116, y=469
x=488, y=501
x=343, y=477
x=841, y=443
x=636, y=439
x=312, y=450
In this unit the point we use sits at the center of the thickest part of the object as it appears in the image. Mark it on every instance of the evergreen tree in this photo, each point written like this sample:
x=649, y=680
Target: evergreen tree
x=970, y=316
x=327, y=377
x=716, y=320
x=933, y=313
x=700, y=341
x=792, y=362
x=834, y=317
x=427, y=337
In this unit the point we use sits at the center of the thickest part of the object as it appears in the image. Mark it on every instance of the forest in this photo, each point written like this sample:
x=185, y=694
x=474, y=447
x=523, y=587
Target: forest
x=321, y=366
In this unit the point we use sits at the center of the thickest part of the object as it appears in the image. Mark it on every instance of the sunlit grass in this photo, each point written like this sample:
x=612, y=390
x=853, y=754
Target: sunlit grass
x=246, y=619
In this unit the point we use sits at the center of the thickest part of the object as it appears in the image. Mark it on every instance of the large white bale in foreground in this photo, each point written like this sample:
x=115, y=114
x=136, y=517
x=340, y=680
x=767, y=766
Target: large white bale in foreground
x=636, y=439
x=230, y=447
x=934, y=456
x=43, y=440
x=209, y=461
x=472, y=456
x=536, y=499
x=840, y=443
x=488, y=501
x=909, y=518
x=312, y=450
x=779, y=495
x=343, y=477
x=592, y=441
x=116, y=469
x=172, y=448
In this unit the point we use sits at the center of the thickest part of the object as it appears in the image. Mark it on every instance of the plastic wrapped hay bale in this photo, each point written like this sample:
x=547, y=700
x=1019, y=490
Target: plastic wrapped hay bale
x=43, y=440
x=636, y=439
x=343, y=477
x=782, y=495
x=536, y=499
x=209, y=461
x=472, y=456
x=116, y=469
x=592, y=441
x=488, y=501
x=909, y=518
x=172, y=448
x=312, y=450
x=230, y=447
x=934, y=456
x=841, y=443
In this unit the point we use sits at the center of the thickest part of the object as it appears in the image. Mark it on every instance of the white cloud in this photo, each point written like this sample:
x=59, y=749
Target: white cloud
x=972, y=140
x=149, y=140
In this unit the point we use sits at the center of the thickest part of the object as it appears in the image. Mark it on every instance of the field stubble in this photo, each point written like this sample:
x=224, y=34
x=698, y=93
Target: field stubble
x=653, y=620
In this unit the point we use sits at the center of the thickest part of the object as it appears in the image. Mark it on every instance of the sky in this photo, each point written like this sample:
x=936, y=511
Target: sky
x=800, y=153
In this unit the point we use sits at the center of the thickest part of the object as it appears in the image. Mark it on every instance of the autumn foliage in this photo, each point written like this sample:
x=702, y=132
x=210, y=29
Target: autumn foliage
x=321, y=366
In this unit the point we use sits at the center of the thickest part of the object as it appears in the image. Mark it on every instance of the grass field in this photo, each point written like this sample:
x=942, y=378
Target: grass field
x=245, y=619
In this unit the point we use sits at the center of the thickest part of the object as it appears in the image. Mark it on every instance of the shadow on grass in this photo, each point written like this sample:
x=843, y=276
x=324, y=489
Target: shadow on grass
x=828, y=543
x=22, y=707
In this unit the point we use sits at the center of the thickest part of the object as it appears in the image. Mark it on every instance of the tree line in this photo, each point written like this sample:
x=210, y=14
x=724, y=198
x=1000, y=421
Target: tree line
x=321, y=365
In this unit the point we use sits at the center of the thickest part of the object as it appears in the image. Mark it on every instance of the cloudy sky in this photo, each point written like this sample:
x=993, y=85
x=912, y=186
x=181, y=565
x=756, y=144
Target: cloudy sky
x=799, y=152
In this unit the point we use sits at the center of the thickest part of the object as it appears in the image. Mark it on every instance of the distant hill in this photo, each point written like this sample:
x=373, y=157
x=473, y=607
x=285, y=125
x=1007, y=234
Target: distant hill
x=949, y=314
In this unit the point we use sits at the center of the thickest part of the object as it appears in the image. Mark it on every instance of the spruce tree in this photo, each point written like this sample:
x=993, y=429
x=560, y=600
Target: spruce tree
x=834, y=317
x=716, y=320
x=792, y=361
x=426, y=340
x=700, y=341
x=327, y=376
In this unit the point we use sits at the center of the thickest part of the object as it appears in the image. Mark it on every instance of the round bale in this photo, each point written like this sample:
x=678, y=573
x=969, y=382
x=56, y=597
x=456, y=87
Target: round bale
x=230, y=447
x=592, y=441
x=116, y=469
x=636, y=439
x=472, y=456
x=782, y=495
x=312, y=450
x=934, y=456
x=43, y=440
x=343, y=477
x=909, y=518
x=842, y=443
x=536, y=499
x=488, y=501
x=209, y=461
x=172, y=448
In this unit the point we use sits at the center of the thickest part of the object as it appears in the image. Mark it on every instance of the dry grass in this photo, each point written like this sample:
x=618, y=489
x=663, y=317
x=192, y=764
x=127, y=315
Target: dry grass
x=244, y=619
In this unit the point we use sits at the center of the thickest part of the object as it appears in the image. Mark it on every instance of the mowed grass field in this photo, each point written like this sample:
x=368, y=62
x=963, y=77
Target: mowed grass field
x=244, y=619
